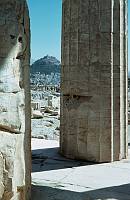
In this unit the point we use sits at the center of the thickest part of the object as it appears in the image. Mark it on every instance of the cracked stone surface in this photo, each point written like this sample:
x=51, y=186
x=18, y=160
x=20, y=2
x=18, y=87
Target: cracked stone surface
x=15, y=117
x=57, y=178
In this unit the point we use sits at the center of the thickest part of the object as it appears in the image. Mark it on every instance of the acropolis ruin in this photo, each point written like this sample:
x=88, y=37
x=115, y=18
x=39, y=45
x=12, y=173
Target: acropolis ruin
x=93, y=88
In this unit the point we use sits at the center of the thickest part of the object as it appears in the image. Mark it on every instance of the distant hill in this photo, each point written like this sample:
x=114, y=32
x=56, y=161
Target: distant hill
x=46, y=65
x=45, y=71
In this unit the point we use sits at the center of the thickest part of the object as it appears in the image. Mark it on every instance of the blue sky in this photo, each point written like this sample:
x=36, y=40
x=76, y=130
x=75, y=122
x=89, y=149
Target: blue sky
x=46, y=28
x=45, y=18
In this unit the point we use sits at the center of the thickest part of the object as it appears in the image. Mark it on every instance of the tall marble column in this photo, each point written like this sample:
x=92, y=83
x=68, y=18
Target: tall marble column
x=94, y=80
x=15, y=131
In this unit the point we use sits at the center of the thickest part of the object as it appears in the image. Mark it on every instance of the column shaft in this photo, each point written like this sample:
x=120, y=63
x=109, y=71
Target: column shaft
x=93, y=80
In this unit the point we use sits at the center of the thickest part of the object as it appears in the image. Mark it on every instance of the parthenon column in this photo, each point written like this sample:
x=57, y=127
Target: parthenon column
x=15, y=148
x=94, y=80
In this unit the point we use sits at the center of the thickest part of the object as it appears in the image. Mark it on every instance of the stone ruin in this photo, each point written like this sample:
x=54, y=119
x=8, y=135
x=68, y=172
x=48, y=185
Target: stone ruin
x=94, y=80
x=15, y=131
x=94, y=88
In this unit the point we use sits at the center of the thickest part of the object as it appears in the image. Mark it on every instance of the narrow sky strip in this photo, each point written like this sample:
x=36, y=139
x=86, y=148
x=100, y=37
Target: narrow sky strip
x=45, y=16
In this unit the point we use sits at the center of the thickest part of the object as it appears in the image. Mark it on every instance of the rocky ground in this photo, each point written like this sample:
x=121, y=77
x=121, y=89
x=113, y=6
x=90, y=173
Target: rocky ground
x=46, y=128
x=46, y=119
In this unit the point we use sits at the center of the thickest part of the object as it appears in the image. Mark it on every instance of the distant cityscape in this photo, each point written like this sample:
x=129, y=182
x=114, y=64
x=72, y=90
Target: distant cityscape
x=45, y=97
x=45, y=71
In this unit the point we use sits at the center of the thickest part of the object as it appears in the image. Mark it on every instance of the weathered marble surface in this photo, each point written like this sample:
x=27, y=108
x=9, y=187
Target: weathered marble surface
x=15, y=159
x=94, y=80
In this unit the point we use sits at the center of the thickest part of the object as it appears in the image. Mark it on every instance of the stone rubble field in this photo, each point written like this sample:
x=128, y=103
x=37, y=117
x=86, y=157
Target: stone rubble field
x=46, y=119
x=46, y=128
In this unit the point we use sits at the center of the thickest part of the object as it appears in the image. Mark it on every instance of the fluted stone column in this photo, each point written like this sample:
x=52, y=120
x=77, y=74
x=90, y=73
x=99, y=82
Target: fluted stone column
x=15, y=148
x=94, y=80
